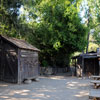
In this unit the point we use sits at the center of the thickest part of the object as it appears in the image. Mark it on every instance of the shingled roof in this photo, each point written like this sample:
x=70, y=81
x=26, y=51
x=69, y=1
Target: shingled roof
x=20, y=43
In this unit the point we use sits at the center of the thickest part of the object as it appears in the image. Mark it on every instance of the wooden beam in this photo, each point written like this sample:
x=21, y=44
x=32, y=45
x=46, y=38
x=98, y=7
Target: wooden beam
x=75, y=67
x=99, y=67
x=19, y=70
x=94, y=94
x=94, y=66
x=82, y=66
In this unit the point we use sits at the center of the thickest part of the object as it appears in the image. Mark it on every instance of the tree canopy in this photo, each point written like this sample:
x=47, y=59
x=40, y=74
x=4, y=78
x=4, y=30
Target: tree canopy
x=58, y=30
x=92, y=16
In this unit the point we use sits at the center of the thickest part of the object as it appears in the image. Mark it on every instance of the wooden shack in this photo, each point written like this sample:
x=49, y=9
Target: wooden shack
x=18, y=60
x=90, y=63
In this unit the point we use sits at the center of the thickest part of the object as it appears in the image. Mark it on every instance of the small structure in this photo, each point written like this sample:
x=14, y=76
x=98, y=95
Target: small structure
x=18, y=60
x=90, y=63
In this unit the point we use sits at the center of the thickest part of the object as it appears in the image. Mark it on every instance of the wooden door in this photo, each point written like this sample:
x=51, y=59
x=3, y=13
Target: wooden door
x=29, y=65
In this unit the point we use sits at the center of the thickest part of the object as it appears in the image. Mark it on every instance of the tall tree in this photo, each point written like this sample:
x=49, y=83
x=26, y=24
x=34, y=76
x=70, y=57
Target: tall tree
x=9, y=22
x=58, y=30
x=93, y=6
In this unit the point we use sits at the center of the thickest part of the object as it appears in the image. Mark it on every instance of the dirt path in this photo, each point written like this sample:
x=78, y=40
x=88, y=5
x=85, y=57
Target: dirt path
x=48, y=88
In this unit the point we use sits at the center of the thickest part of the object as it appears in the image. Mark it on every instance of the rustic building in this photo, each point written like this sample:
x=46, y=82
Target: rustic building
x=18, y=60
x=90, y=63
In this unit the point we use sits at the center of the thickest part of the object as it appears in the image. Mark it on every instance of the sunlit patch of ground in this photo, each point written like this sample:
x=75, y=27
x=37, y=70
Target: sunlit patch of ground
x=48, y=88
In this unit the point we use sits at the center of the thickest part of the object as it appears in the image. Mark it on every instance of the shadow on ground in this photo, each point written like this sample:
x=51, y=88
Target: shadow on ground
x=48, y=88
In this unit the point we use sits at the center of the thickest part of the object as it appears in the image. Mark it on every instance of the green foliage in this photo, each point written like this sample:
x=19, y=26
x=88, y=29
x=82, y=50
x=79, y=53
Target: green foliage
x=94, y=18
x=97, y=36
x=45, y=63
x=59, y=32
x=10, y=24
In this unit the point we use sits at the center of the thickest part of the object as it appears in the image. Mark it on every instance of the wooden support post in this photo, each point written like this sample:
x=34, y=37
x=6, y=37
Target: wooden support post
x=82, y=66
x=19, y=70
x=99, y=67
x=95, y=85
x=75, y=67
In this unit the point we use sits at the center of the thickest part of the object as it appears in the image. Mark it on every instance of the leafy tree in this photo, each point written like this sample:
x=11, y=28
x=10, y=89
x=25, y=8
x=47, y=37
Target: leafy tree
x=93, y=9
x=10, y=24
x=58, y=30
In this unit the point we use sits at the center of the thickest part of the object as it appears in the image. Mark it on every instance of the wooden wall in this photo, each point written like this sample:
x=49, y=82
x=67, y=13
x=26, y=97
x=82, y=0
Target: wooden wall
x=17, y=64
x=8, y=62
x=91, y=65
x=28, y=64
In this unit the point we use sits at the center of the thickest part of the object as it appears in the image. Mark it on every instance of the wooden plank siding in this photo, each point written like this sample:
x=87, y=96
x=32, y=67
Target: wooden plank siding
x=17, y=64
x=8, y=66
x=29, y=64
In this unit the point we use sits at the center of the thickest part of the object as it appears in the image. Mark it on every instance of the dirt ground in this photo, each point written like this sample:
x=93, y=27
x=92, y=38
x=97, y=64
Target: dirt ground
x=48, y=88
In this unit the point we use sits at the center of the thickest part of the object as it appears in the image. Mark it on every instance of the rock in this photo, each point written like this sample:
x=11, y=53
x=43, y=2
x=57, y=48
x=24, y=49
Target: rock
x=28, y=81
x=36, y=79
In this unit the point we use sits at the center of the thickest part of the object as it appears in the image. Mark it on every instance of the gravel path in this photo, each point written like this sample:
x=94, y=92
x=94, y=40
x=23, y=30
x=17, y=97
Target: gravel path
x=48, y=88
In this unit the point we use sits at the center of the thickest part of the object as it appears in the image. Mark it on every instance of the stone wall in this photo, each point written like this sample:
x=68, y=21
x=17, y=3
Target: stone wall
x=51, y=71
